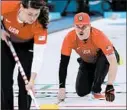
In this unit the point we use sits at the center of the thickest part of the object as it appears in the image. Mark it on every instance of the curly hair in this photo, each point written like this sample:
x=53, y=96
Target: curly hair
x=44, y=10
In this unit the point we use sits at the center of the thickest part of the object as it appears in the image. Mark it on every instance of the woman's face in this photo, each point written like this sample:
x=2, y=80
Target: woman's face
x=29, y=15
x=82, y=31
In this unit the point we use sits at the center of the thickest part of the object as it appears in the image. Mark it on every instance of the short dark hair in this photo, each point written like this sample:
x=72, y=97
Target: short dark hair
x=39, y=4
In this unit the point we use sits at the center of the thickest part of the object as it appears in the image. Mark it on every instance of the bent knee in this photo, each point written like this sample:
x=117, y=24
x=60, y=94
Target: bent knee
x=82, y=94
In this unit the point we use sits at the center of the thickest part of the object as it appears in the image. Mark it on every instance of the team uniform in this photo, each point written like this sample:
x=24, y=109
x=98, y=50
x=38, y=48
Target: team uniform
x=93, y=63
x=29, y=41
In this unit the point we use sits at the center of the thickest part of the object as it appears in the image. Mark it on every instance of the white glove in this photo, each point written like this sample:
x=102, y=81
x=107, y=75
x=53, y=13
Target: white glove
x=30, y=86
x=61, y=94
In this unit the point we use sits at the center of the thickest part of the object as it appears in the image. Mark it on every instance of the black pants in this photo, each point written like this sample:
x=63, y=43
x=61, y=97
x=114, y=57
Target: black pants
x=91, y=76
x=7, y=67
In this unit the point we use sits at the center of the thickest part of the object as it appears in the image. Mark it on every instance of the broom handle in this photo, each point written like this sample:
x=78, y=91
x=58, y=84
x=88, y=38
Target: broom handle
x=22, y=71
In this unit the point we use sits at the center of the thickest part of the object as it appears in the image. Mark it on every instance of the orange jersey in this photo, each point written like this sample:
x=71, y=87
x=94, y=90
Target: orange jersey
x=87, y=49
x=8, y=6
x=21, y=32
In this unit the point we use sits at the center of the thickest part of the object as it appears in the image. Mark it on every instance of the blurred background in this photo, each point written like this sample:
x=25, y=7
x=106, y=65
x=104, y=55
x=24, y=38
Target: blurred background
x=64, y=10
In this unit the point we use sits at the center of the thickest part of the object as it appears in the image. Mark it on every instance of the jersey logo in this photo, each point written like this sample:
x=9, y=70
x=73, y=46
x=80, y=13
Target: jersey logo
x=80, y=18
x=8, y=21
x=86, y=51
x=13, y=30
x=41, y=38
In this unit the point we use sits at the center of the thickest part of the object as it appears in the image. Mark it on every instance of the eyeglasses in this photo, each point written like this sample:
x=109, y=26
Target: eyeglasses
x=82, y=27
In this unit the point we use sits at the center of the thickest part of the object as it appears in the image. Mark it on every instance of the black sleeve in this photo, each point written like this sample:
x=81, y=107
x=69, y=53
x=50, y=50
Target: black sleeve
x=63, y=70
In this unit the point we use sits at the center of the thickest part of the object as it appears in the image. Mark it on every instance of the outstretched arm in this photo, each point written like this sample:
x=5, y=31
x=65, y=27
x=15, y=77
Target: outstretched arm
x=109, y=92
x=112, y=68
x=63, y=70
x=62, y=77
x=38, y=53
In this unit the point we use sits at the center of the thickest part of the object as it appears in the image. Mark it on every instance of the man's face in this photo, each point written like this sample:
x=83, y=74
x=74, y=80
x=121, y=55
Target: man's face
x=30, y=15
x=82, y=31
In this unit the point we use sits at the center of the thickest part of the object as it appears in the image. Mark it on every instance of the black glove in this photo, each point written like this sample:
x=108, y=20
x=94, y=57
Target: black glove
x=109, y=93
